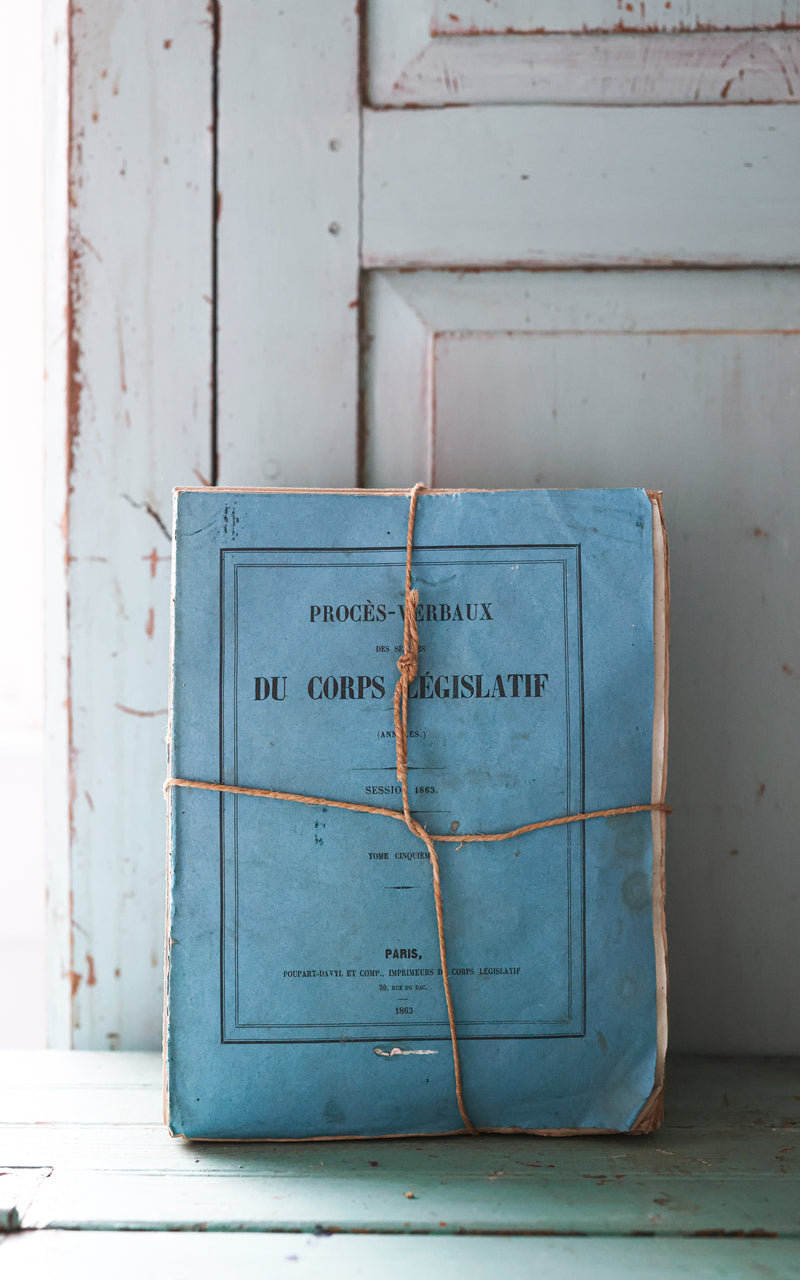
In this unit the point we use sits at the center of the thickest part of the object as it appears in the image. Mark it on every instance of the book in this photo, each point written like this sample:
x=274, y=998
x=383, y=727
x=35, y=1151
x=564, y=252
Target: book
x=304, y=982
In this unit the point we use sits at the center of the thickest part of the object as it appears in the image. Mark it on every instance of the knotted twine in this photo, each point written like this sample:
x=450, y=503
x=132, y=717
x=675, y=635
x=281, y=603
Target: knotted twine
x=408, y=664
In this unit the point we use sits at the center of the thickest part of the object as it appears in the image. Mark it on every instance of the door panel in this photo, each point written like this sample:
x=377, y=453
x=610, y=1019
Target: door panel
x=288, y=244
x=137, y=415
x=686, y=381
x=489, y=186
x=272, y=282
x=421, y=56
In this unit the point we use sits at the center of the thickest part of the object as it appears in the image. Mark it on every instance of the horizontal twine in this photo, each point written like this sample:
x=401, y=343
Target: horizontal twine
x=484, y=837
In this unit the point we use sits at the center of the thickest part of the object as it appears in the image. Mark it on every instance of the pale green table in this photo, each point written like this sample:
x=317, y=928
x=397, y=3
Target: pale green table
x=93, y=1185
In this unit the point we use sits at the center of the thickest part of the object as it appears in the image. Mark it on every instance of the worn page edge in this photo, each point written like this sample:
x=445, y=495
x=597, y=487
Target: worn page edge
x=651, y=1114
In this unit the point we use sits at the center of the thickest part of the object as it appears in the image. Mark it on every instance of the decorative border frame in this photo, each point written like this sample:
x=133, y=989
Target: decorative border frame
x=575, y=845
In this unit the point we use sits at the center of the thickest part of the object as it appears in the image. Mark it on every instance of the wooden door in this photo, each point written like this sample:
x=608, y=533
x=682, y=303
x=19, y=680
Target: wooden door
x=490, y=242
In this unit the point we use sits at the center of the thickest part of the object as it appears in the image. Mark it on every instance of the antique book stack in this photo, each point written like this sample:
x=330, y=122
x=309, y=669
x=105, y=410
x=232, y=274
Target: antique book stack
x=306, y=968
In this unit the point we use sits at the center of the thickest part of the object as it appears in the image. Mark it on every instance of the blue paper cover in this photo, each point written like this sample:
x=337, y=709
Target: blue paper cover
x=304, y=992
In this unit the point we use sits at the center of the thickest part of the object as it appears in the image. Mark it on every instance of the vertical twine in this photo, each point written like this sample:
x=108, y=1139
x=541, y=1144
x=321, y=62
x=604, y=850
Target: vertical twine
x=408, y=664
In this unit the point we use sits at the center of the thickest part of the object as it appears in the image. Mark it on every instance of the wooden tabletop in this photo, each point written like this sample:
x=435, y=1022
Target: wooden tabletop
x=93, y=1183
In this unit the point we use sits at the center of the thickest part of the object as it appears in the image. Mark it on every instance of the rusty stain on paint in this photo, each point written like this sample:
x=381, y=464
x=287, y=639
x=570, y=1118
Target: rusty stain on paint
x=91, y=976
x=122, y=382
x=87, y=244
x=89, y=801
x=206, y=485
x=74, y=388
x=72, y=754
x=149, y=626
x=761, y=790
x=132, y=711
x=154, y=559
x=72, y=391
x=150, y=510
x=628, y=23
x=213, y=11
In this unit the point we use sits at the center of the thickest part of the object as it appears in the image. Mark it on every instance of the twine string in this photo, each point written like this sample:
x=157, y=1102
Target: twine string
x=486, y=837
x=408, y=665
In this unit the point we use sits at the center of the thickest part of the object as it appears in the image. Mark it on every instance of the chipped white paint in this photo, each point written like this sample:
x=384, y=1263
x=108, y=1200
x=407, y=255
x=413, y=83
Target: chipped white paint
x=137, y=424
x=411, y=63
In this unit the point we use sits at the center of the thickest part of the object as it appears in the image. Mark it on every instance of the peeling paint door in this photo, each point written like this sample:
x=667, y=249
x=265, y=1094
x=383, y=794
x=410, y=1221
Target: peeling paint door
x=476, y=243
